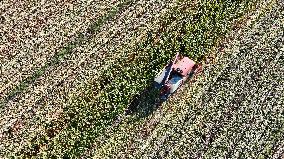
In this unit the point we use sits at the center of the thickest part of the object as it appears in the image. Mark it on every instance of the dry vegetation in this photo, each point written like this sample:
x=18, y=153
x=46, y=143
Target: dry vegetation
x=66, y=95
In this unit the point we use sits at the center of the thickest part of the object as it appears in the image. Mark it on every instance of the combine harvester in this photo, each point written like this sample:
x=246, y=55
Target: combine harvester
x=175, y=74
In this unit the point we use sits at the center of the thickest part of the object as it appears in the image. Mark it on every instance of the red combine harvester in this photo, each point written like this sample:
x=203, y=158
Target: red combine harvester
x=174, y=75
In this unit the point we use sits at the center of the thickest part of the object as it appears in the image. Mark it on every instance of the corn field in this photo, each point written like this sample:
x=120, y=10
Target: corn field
x=76, y=77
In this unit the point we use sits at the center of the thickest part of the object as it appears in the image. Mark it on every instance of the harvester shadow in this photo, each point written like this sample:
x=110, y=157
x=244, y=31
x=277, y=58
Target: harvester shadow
x=144, y=103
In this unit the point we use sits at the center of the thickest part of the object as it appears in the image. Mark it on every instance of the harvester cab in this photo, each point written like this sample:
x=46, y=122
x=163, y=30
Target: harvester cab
x=174, y=75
